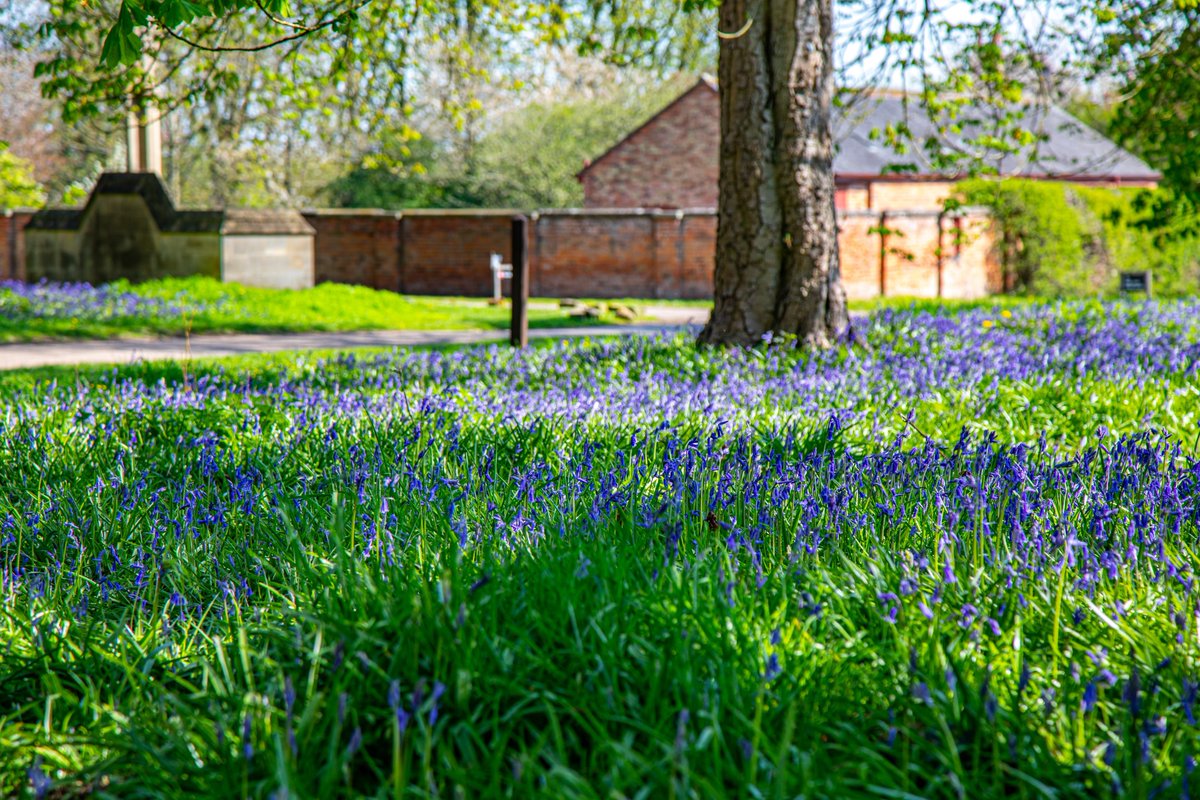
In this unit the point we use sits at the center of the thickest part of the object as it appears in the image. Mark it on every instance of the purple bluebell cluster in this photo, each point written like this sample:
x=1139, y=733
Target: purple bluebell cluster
x=1027, y=369
x=1042, y=591
x=86, y=303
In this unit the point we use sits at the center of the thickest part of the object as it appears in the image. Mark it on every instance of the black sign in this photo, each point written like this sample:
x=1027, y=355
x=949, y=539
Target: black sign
x=1135, y=283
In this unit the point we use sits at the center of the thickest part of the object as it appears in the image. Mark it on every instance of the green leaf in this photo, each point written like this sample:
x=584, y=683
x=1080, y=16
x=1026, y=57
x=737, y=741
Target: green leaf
x=179, y=12
x=122, y=45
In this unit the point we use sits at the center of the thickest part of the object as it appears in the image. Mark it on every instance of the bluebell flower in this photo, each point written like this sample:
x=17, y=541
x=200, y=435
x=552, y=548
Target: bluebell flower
x=39, y=781
x=1188, y=699
x=438, y=690
x=393, y=697
x=247, y=745
x=1132, y=693
x=355, y=743
x=681, y=730
x=1090, y=695
x=289, y=695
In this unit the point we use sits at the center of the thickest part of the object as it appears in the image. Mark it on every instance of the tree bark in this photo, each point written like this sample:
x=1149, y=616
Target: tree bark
x=777, y=249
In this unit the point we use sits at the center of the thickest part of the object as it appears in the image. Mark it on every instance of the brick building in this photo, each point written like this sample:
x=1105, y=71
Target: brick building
x=671, y=161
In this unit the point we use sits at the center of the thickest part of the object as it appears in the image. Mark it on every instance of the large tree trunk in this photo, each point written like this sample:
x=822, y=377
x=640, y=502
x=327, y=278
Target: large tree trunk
x=777, y=251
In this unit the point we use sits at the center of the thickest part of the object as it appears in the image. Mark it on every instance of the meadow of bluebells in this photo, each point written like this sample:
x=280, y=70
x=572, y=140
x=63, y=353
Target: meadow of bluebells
x=952, y=559
x=82, y=302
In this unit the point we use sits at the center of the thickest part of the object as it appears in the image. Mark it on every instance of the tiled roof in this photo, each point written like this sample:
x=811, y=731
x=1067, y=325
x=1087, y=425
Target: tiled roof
x=1070, y=148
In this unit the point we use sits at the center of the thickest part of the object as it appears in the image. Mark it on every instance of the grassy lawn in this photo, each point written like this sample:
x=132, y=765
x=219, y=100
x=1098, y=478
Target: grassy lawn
x=203, y=305
x=954, y=561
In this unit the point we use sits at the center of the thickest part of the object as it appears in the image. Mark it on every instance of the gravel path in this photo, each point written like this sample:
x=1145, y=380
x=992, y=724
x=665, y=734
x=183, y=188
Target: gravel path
x=123, y=351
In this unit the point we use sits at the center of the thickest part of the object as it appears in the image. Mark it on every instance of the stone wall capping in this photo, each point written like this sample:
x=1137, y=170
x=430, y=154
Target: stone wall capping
x=265, y=221
x=675, y=213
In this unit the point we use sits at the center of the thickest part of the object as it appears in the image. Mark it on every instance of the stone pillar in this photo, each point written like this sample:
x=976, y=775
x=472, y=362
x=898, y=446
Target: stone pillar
x=143, y=131
x=143, y=141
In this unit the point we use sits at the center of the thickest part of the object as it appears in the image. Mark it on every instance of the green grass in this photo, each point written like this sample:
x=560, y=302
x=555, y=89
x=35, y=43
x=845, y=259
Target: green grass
x=209, y=306
x=612, y=568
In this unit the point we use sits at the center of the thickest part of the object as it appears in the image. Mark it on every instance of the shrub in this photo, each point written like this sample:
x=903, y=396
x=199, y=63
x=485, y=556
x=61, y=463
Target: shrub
x=1065, y=240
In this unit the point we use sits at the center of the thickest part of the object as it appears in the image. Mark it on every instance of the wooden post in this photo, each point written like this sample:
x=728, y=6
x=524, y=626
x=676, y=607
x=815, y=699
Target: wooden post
x=12, y=246
x=941, y=253
x=520, y=281
x=883, y=237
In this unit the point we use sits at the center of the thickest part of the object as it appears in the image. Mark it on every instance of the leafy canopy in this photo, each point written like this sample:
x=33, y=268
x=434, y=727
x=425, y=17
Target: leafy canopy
x=980, y=68
x=18, y=188
x=962, y=56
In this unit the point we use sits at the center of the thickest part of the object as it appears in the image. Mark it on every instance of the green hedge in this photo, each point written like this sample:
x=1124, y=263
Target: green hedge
x=1064, y=240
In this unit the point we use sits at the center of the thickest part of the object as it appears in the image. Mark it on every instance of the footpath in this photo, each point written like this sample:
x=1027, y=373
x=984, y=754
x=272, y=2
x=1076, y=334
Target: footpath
x=123, y=351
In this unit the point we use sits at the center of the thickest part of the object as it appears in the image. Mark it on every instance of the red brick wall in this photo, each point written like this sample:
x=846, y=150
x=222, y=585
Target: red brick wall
x=447, y=252
x=12, y=244
x=359, y=247
x=922, y=257
x=693, y=277
x=910, y=262
x=571, y=253
x=858, y=248
x=670, y=162
x=663, y=254
x=589, y=253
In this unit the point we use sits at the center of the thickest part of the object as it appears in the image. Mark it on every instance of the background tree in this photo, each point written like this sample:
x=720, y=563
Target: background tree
x=253, y=124
x=526, y=157
x=18, y=187
x=26, y=118
x=1151, y=58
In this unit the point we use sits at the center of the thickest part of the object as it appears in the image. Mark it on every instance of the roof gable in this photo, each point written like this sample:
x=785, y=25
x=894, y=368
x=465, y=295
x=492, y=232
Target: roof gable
x=704, y=83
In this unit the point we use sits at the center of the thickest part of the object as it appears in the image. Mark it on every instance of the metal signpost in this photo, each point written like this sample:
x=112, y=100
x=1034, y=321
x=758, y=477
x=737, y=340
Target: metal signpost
x=500, y=272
